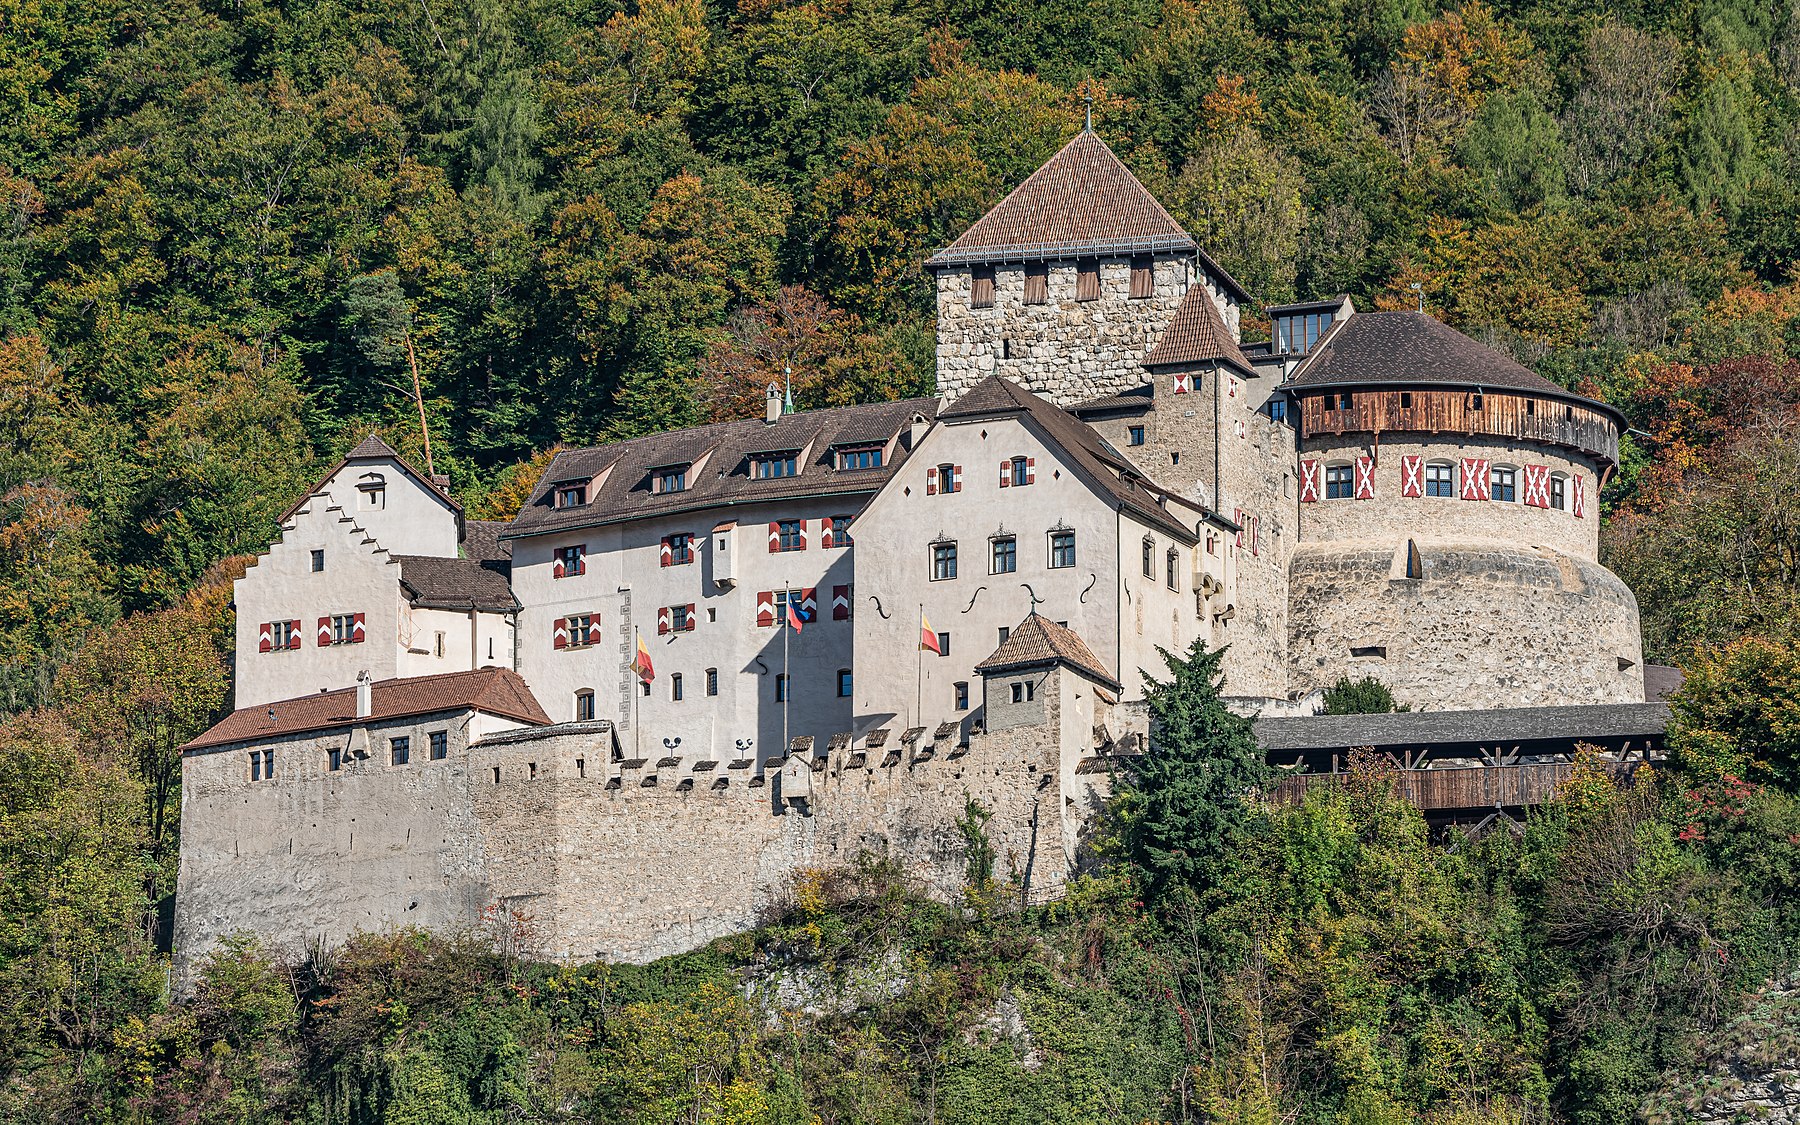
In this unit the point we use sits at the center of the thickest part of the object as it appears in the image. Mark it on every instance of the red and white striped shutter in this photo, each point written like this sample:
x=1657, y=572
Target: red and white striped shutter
x=294, y=634
x=956, y=478
x=765, y=608
x=265, y=636
x=1537, y=486
x=356, y=630
x=809, y=604
x=324, y=631
x=559, y=637
x=1412, y=476
x=1005, y=474
x=1031, y=470
x=662, y=620
x=840, y=603
x=1578, y=496
x=557, y=570
x=931, y=482
x=689, y=627
x=1365, y=478
x=1183, y=384
x=1237, y=517
x=668, y=552
x=1475, y=482
x=1311, y=472
x=774, y=536
x=803, y=535
x=593, y=629
x=825, y=536
x=1231, y=385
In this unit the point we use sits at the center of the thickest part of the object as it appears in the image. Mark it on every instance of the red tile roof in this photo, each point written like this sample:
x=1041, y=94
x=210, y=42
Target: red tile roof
x=1037, y=641
x=495, y=691
x=1197, y=334
x=1082, y=202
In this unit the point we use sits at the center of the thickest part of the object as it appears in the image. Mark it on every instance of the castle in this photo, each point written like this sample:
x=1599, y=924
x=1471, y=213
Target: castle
x=698, y=662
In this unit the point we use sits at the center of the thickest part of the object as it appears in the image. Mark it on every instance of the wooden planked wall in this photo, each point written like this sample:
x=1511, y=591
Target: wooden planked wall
x=1526, y=417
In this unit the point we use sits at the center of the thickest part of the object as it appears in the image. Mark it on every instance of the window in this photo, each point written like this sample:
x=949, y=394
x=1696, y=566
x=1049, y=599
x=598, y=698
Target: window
x=1278, y=409
x=1037, y=283
x=1004, y=555
x=584, y=706
x=844, y=683
x=569, y=561
x=781, y=687
x=712, y=681
x=1406, y=400
x=373, y=489
x=1338, y=484
x=1346, y=401
x=790, y=535
x=343, y=628
x=681, y=549
x=943, y=644
x=860, y=457
x=1559, y=492
x=437, y=646
x=1134, y=435
x=440, y=745
x=962, y=695
x=1062, y=548
x=318, y=560
x=840, y=532
x=943, y=561
x=672, y=478
x=1006, y=347
x=1087, y=281
x=281, y=634
x=580, y=628
x=948, y=481
x=645, y=686
x=1005, y=633
x=1475, y=401
x=1021, y=472
x=1297, y=334
x=769, y=466
x=334, y=759
x=262, y=765
x=399, y=750
x=1024, y=692
x=677, y=690
x=1143, y=278
x=571, y=495
x=981, y=287
x=680, y=619
x=1531, y=408
x=1503, y=484
x=1440, y=479
x=1172, y=566
x=1149, y=558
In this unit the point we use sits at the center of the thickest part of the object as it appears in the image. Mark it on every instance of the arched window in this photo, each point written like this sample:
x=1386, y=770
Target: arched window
x=584, y=706
x=1503, y=481
x=1559, y=491
x=1440, y=479
x=1340, y=482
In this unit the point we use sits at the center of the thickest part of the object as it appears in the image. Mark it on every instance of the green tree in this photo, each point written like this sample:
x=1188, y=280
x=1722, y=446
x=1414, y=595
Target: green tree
x=1516, y=149
x=1367, y=696
x=1738, y=712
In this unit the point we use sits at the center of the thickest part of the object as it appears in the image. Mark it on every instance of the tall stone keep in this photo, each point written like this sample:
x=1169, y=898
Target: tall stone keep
x=1068, y=282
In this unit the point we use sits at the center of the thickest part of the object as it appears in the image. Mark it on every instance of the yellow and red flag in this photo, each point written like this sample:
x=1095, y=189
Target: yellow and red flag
x=640, y=664
x=927, y=638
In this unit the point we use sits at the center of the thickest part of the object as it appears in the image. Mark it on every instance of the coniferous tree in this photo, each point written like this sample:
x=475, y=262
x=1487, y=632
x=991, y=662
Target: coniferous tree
x=1195, y=787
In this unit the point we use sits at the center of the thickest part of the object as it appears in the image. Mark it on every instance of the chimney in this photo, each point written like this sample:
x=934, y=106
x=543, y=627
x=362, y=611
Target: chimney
x=772, y=405
x=919, y=426
x=365, y=695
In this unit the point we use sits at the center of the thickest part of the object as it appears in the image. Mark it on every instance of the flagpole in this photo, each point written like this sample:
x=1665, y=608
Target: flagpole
x=787, y=681
x=637, y=714
x=919, y=680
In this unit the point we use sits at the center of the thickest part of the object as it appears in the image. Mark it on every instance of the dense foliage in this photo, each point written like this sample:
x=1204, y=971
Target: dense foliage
x=234, y=235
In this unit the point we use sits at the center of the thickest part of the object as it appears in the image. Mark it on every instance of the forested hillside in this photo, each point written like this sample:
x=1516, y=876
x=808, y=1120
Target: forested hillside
x=235, y=234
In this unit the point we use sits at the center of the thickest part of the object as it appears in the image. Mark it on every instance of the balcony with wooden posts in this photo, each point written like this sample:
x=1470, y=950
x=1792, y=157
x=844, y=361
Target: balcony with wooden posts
x=1461, y=411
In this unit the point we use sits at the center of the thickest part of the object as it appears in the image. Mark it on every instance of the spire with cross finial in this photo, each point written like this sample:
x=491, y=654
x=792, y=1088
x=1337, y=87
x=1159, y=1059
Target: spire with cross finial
x=1088, y=100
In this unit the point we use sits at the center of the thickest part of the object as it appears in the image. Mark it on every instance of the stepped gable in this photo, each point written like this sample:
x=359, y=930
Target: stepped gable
x=619, y=475
x=495, y=691
x=440, y=583
x=1083, y=202
x=1197, y=334
x=1116, y=474
x=1038, y=641
x=1411, y=348
x=372, y=448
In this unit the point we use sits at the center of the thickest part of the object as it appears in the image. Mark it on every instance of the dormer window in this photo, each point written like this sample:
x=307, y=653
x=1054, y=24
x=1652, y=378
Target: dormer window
x=571, y=494
x=768, y=466
x=860, y=457
x=373, y=490
x=669, y=478
x=1296, y=334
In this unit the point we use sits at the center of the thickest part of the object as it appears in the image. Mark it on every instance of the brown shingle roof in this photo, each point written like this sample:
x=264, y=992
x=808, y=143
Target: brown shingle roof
x=726, y=479
x=1122, y=480
x=1083, y=201
x=372, y=448
x=1197, y=334
x=1038, y=640
x=1137, y=398
x=496, y=691
x=482, y=542
x=440, y=583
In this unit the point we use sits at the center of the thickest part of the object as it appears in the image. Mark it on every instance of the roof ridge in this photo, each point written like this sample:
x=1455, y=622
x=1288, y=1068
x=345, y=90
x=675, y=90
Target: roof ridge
x=1197, y=334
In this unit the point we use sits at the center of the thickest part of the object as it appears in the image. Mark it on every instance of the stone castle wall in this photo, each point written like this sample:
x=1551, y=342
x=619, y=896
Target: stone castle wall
x=1489, y=625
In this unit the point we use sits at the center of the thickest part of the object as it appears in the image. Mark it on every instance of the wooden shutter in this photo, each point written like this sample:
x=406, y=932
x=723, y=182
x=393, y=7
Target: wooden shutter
x=1143, y=278
x=689, y=627
x=1365, y=478
x=294, y=634
x=559, y=636
x=557, y=570
x=931, y=482
x=1537, y=485
x=356, y=629
x=840, y=603
x=826, y=541
x=662, y=620
x=1578, y=497
x=956, y=478
x=1412, y=476
x=802, y=535
x=1237, y=517
x=324, y=631
x=774, y=536
x=1475, y=482
x=1037, y=284
x=1312, y=473
x=981, y=287
x=668, y=552
x=765, y=609
x=265, y=636
x=1031, y=470
x=1256, y=535
x=1005, y=474
x=809, y=604
x=1183, y=384
x=1087, y=281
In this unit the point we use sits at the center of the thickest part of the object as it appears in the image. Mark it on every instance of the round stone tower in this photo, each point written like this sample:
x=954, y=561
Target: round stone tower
x=1449, y=525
